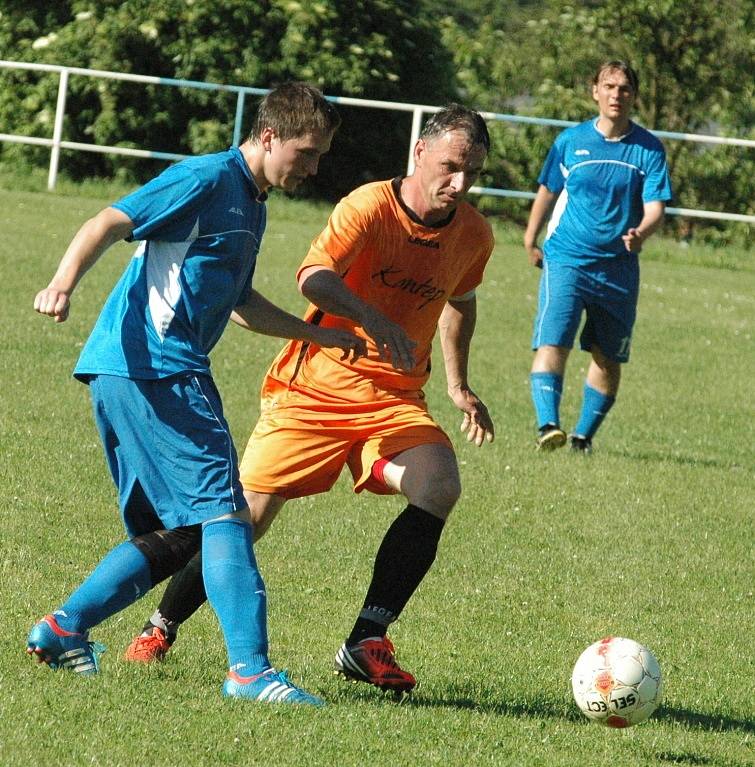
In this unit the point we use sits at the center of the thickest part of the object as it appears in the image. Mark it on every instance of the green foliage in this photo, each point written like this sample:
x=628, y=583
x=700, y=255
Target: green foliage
x=532, y=57
x=374, y=49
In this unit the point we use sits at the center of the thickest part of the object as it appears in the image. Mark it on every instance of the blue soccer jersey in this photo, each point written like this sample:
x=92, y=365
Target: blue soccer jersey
x=200, y=222
x=601, y=185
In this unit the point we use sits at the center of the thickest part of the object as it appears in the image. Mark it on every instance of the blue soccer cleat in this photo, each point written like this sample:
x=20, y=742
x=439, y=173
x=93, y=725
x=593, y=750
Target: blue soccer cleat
x=59, y=648
x=270, y=686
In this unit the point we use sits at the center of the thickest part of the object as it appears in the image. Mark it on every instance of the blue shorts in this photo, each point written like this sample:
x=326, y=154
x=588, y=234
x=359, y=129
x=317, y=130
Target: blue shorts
x=606, y=291
x=169, y=450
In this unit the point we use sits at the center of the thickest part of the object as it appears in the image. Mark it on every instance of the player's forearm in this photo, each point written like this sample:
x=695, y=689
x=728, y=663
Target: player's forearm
x=541, y=207
x=262, y=316
x=652, y=219
x=326, y=290
x=456, y=328
x=94, y=237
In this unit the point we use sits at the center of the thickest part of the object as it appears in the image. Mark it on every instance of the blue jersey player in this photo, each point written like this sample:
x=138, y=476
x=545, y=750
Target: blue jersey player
x=156, y=407
x=605, y=185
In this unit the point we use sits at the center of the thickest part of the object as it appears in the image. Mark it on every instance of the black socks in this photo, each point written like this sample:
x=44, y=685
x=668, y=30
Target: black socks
x=403, y=559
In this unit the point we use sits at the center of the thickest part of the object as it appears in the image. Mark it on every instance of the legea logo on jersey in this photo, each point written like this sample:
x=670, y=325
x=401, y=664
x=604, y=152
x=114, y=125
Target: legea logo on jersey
x=237, y=211
x=425, y=243
x=581, y=152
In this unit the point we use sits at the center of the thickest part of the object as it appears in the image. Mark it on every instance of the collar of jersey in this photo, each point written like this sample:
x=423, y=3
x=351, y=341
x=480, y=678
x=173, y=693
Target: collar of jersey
x=612, y=140
x=254, y=189
x=396, y=187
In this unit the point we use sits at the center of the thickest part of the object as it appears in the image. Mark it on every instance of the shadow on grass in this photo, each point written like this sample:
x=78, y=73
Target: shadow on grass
x=681, y=460
x=684, y=758
x=545, y=708
x=702, y=721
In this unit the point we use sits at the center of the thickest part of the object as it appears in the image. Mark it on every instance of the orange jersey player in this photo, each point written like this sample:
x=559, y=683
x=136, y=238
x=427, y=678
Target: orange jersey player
x=403, y=268
x=397, y=261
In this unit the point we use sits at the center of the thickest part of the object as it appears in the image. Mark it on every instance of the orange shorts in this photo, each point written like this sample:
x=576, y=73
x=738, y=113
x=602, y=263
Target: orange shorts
x=299, y=447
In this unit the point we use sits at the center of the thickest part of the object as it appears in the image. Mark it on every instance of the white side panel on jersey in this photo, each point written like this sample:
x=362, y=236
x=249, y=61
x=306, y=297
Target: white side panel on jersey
x=163, y=286
x=558, y=211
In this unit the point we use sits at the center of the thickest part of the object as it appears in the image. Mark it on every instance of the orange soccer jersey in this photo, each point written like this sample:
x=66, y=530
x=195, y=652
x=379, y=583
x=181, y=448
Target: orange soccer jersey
x=319, y=412
x=404, y=269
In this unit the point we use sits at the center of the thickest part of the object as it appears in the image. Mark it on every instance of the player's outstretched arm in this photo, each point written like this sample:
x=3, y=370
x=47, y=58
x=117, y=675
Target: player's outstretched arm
x=94, y=237
x=456, y=326
x=326, y=290
x=262, y=316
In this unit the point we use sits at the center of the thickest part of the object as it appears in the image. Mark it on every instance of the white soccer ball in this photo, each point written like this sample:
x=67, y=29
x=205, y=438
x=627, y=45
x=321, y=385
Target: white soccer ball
x=617, y=682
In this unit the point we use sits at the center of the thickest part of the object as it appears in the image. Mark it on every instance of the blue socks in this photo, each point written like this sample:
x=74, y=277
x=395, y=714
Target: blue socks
x=236, y=592
x=595, y=407
x=546, y=396
x=119, y=580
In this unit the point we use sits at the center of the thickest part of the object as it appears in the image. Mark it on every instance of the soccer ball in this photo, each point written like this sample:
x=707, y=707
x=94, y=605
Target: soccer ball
x=617, y=682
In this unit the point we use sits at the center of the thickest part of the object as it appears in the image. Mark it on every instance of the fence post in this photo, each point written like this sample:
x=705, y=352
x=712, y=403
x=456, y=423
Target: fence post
x=237, y=122
x=416, y=128
x=57, y=133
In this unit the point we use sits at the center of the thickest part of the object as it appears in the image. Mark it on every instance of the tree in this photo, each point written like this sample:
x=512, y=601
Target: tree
x=373, y=49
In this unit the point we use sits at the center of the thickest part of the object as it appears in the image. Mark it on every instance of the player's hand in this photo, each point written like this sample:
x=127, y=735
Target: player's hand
x=476, y=424
x=392, y=342
x=54, y=303
x=535, y=256
x=352, y=346
x=633, y=240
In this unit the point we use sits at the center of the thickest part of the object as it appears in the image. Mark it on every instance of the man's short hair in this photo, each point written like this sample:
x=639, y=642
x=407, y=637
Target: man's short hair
x=457, y=117
x=293, y=110
x=621, y=66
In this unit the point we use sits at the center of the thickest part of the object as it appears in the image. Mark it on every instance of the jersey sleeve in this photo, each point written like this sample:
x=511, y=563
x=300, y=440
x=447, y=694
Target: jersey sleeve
x=343, y=238
x=167, y=207
x=552, y=174
x=657, y=186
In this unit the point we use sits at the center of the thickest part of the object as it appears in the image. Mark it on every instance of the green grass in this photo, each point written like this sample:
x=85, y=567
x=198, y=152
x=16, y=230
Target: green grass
x=650, y=538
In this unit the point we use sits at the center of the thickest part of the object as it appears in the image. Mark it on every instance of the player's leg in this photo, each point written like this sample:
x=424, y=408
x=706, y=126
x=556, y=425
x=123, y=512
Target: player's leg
x=546, y=387
x=556, y=323
x=236, y=593
x=598, y=397
x=183, y=596
x=61, y=639
x=607, y=335
x=427, y=475
x=185, y=592
x=232, y=581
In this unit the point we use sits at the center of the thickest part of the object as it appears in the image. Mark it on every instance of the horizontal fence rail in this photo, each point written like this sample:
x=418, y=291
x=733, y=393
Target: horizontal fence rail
x=56, y=142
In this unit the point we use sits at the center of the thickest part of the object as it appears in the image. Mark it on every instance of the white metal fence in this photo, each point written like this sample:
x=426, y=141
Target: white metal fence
x=56, y=142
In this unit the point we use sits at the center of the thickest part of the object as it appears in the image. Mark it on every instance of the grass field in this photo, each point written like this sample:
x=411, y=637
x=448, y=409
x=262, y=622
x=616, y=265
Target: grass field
x=651, y=538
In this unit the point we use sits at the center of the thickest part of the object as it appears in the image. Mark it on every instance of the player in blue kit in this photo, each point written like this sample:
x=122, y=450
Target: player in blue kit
x=158, y=412
x=606, y=184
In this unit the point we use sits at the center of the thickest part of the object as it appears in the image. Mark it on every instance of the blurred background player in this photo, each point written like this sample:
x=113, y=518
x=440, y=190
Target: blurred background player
x=397, y=261
x=158, y=412
x=606, y=183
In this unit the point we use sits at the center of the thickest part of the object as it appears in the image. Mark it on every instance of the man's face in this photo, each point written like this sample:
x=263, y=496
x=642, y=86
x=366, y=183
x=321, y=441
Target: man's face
x=446, y=167
x=614, y=95
x=288, y=163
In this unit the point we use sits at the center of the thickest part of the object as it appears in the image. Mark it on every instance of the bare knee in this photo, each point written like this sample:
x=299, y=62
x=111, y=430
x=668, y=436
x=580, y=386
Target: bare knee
x=263, y=508
x=438, y=495
x=604, y=374
x=550, y=359
x=428, y=476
